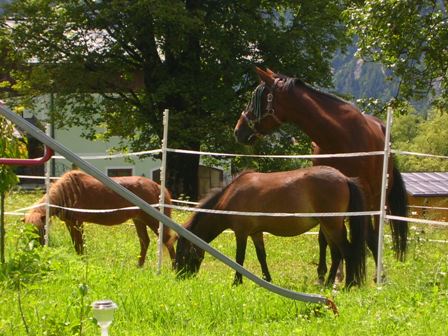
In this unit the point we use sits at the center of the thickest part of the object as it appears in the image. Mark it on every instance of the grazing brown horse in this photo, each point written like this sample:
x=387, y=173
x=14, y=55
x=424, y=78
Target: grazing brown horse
x=309, y=190
x=334, y=126
x=77, y=189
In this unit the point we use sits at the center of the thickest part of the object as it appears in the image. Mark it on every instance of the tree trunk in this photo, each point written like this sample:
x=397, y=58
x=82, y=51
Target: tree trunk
x=182, y=175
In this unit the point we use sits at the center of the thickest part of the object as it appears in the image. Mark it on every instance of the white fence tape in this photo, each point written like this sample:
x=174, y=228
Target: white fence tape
x=223, y=212
x=395, y=151
x=36, y=177
x=417, y=220
x=275, y=214
x=310, y=156
x=22, y=211
x=258, y=214
x=427, y=207
x=113, y=156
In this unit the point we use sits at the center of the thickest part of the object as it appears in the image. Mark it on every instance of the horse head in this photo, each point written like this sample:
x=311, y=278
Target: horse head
x=188, y=258
x=37, y=219
x=263, y=114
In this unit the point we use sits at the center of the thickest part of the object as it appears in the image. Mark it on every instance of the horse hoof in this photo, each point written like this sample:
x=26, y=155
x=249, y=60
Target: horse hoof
x=383, y=279
x=237, y=282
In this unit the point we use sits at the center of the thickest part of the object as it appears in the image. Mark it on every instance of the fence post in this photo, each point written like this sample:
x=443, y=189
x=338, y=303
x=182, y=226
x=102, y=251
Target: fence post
x=384, y=183
x=162, y=187
x=47, y=168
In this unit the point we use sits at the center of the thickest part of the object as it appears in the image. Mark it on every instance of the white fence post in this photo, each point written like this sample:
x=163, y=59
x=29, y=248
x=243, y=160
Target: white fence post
x=47, y=168
x=162, y=187
x=383, y=209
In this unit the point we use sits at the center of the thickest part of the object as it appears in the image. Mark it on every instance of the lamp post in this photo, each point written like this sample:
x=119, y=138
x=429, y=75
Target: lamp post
x=103, y=312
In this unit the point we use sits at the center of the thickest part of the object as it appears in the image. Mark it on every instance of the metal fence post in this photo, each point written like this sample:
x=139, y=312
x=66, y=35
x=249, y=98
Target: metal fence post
x=47, y=168
x=384, y=183
x=162, y=187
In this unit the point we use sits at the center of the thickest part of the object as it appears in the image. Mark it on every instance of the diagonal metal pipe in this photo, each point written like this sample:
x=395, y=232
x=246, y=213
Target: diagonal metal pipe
x=95, y=172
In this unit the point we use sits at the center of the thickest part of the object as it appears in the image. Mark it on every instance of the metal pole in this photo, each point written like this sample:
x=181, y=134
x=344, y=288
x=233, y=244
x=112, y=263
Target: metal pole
x=126, y=194
x=47, y=167
x=162, y=186
x=384, y=183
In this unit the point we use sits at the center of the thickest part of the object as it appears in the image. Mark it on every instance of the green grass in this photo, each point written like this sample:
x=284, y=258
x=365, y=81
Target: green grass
x=48, y=291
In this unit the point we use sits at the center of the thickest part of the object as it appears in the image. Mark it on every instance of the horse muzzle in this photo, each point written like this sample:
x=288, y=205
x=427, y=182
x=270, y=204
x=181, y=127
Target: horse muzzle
x=245, y=137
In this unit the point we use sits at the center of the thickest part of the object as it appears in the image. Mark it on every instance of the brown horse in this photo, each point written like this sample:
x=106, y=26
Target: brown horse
x=309, y=190
x=334, y=126
x=77, y=189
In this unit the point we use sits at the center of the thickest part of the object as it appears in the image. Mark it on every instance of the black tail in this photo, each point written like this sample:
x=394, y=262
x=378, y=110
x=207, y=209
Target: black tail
x=398, y=205
x=356, y=264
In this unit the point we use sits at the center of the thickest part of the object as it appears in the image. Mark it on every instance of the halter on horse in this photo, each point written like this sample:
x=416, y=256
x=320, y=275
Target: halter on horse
x=255, y=108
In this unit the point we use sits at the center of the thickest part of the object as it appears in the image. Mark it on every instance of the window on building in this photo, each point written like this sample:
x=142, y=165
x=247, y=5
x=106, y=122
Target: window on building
x=114, y=172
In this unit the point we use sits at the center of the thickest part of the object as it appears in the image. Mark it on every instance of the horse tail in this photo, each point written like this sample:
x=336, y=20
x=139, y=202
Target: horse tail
x=398, y=204
x=358, y=235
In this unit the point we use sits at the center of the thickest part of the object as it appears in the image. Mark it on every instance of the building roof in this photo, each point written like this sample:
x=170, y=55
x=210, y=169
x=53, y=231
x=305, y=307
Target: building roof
x=426, y=184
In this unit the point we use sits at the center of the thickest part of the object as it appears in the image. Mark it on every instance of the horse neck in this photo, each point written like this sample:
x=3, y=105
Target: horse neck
x=322, y=117
x=207, y=226
x=51, y=201
x=42, y=210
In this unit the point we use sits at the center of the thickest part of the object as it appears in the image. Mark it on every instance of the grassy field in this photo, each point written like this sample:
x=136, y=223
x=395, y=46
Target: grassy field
x=48, y=291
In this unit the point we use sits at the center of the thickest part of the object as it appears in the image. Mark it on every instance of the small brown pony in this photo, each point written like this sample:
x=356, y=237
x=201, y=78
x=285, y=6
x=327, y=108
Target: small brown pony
x=77, y=189
x=335, y=126
x=309, y=190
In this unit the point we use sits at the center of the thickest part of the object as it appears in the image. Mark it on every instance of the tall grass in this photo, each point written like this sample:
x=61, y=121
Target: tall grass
x=48, y=291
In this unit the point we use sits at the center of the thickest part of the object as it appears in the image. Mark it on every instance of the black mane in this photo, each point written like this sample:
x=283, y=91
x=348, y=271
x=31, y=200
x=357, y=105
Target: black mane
x=210, y=201
x=291, y=82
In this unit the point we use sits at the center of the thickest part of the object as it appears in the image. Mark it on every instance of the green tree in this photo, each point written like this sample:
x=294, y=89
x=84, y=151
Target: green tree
x=10, y=147
x=10, y=144
x=412, y=133
x=409, y=37
x=192, y=57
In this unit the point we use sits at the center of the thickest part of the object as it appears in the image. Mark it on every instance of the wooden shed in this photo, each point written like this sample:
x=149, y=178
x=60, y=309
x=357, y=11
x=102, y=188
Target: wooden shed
x=427, y=190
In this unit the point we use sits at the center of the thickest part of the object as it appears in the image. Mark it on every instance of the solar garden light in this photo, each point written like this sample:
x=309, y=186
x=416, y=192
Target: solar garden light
x=103, y=312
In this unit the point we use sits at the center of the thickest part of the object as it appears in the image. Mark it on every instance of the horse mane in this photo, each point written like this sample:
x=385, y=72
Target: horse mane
x=65, y=192
x=212, y=199
x=291, y=82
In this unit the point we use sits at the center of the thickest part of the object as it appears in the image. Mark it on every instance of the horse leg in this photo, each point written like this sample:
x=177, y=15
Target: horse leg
x=261, y=255
x=336, y=262
x=143, y=238
x=322, y=267
x=76, y=230
x=241, y=243
x=336, y=236
x=372, y=237
x=167, y=240
x=172, y=252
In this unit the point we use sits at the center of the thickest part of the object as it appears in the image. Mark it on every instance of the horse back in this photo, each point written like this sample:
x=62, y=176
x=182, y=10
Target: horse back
x=77, y=189
x=303, y=190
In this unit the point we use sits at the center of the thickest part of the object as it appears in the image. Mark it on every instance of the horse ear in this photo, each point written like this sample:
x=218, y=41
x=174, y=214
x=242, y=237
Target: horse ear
x=270, y=72
x=265, y=76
